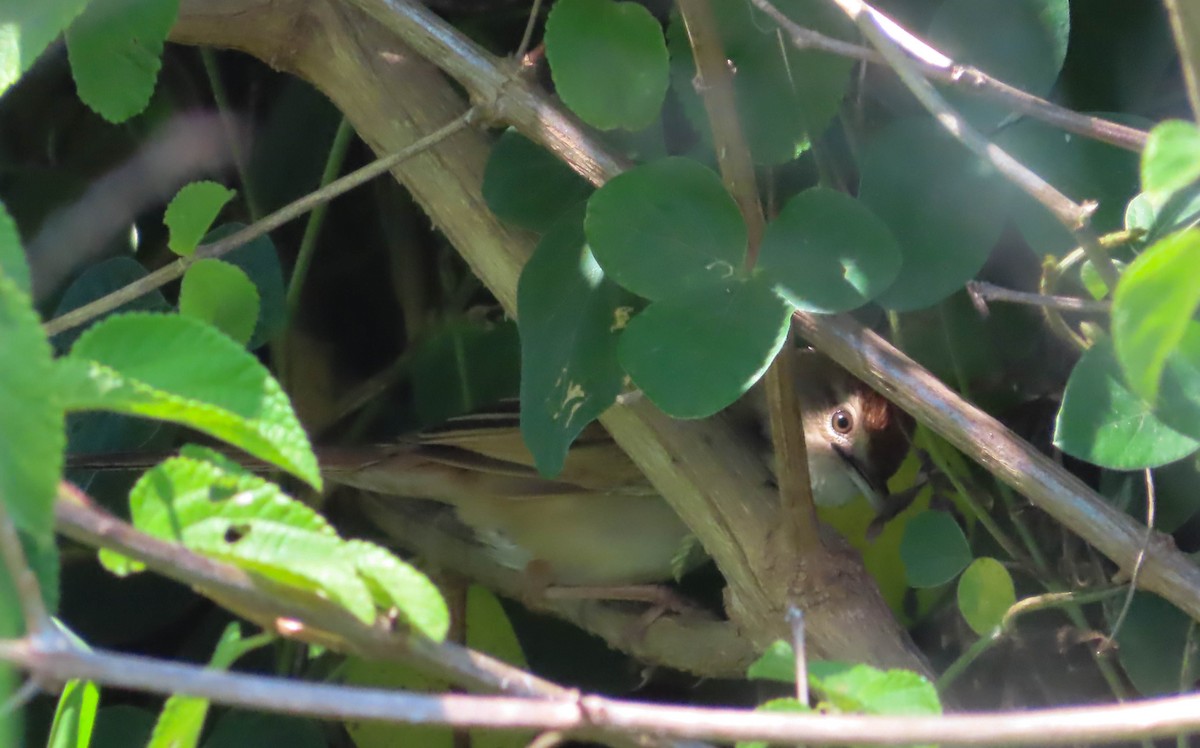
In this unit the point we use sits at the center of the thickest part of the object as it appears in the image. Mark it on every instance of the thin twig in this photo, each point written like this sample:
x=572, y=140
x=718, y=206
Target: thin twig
x=527, y=35
x=29, y=592
x=20, y=697
x=168, y=273
x=1151, y=506
x=795, y=619
x=594, y=716
x=970, y=80
x=1073, y=216
x=985, y=291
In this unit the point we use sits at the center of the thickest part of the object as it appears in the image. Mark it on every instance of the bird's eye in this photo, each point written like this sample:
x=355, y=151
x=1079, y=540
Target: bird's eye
x=841, y=421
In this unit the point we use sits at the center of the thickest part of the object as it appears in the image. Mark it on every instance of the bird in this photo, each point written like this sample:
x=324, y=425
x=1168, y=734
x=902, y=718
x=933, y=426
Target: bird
x=600, y=522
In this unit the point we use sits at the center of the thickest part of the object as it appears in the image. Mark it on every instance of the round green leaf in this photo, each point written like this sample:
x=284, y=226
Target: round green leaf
x=666, y=227
x=1081, y=168
x=988, y=33
x=32, y=426
x=1152, y=307
x=1171, y=159
x=985, y=593
x=828, y=253
x=945, y=208
x=222, y=295
x=1178, y=404
x=933, y=549
x=697, y=352
x=608, y=60
x=115, y=48
x=786, y=97
x=260, y=262
x=1103, y=422
x=1152, y=643
x=191, y=212
x=570, y=318
x=526, y=185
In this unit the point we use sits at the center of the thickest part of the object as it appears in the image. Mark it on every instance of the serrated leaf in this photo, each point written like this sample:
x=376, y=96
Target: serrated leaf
x=178, y=369
x=608, y=60
x=862, y=689
x=191, y=213
x=934, y=549
x=944, y=207
x=570, y=316
x=826, y=253
x=1102, y=421
x=1155, y=301
x=525, y=184
x=222, y=295
x=984, y=33
x=115, y=48
x=398, y=585
x=1171, y=158
x=696, y=352
x=665, y=228
x=27, y=31
x=786, y=97
x=12, y=255
x=75, y=715
x=985, y=593
x=32, y=426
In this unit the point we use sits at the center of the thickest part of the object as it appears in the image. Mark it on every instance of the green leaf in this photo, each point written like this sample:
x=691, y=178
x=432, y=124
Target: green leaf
x=121, y=726
x=1171, y=158
x=608, y=60
x=570, y=315
x=1089, y=276
x=395, y=584
x=777, y=662
x=235, y=729
x=75, y=715
x=862, y=689
x=260, y=262
x=525, y=184
x=696, y=352
x=786, y=97
x=933, y=549
x=489, y=629
x=1081, y=168
x=1105, y=423
x=985, y=593
x=1154, y=302
x=32, y=427
x=12, y=254
x=222, y=295
x=175, y=368
x=100, y=280
x=1178, y=404
x=945, y=208
x=115, y=48
x=28, y=29
x=666, y=227
x=463, y=366
x=985, y=33
x=827, y=253
x=1152, y=643
x=191, y=212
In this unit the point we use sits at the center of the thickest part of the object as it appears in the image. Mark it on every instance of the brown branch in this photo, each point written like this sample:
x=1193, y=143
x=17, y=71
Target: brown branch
x=24, y=581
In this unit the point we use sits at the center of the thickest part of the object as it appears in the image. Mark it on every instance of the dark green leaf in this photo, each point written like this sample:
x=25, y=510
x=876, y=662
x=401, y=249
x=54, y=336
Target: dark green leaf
x=987, y=33
x=985, y=593
x=100, y=280
x=526, y=185
x=933, y=549
x=571, y=316
x=464, y=366
x=1153, y=306
x=666, y=227
x=944, y=207
x=1151, y=644
x=1178, y=403
x=237, y=729
x=115, y=47
x=1103, y=422
x=696, y=352
x=827, y=253
x=220, y=294
x=609, y=61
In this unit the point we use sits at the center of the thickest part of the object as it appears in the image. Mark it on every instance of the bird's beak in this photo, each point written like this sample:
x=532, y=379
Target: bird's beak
x=872, y=487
